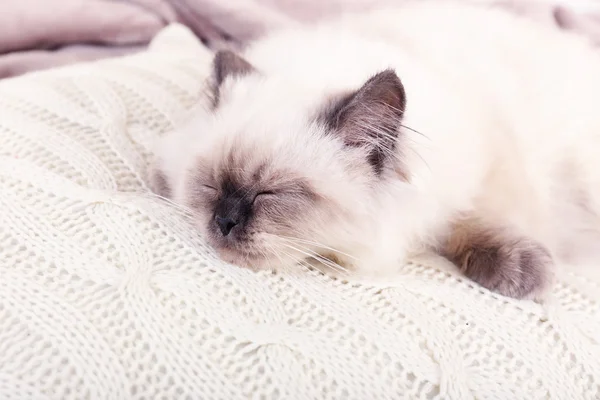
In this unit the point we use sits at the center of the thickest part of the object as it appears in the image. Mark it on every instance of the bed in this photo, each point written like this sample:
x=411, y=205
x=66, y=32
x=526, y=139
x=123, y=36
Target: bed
x=106, y=292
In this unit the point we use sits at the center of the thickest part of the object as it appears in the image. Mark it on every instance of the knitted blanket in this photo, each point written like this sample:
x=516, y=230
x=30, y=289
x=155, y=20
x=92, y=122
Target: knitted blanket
x=108, y=293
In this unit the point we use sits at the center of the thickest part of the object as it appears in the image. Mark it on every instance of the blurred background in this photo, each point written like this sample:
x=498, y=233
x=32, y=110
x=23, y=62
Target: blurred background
x=39, y=34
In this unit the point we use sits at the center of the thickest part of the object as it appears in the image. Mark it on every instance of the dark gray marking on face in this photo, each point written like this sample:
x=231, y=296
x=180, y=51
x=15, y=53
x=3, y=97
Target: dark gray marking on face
x=235, y=212
x=233, y=209
x=225, y=64
x=243, y=204
x=370, y=117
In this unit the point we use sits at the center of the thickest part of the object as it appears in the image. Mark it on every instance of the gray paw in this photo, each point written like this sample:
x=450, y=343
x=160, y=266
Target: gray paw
x=516, y=268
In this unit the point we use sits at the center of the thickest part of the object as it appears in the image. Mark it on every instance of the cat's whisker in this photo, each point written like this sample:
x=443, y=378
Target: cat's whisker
x=312, y=255
x=302, y=262
x=395, y=110
x=416, y=153
x=272, y=250
x=307, y=265
x=316, y=244
x=296, y=260
x=376, y=128
x=281, y=252
x=250, y=189
x=276, y=254
x=294, y=240
x=415, y=131
x=385, y=148
x=186, y=210
x=247, y=191
x=389, y=152
x=392, y=111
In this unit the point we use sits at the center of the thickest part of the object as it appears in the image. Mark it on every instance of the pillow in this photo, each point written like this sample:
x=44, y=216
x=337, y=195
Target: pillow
x=107, y=292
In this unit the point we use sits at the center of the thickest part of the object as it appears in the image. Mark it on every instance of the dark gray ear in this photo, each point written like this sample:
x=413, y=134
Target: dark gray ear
x=227, y=64
x=371, y=117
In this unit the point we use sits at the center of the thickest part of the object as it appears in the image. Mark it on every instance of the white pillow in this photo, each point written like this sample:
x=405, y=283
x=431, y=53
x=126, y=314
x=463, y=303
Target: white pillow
x=107, y=292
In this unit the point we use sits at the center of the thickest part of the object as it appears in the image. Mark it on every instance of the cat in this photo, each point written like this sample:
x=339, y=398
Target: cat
x=364, y=140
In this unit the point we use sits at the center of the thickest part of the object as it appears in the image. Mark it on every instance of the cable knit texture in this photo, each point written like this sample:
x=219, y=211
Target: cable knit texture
x=108, y=293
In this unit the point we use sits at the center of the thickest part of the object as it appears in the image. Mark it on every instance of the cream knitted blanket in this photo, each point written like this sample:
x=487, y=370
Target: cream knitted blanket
x=106, y=293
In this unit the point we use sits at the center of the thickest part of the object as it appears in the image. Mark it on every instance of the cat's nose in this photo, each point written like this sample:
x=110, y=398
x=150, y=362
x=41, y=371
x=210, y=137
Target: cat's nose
x=225, y=224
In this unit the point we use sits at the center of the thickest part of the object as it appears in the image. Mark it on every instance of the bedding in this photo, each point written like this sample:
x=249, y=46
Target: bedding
x=107, y=292
x=34, y=36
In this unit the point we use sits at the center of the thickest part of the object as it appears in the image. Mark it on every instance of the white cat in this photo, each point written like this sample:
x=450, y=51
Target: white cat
x=364, y=140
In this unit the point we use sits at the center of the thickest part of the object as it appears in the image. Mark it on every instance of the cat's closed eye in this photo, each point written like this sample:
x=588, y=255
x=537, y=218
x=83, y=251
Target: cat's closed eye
x=208, y=188
x=265, y=193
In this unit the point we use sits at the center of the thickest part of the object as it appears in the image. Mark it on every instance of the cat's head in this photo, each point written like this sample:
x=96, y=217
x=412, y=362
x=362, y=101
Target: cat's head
x=279, y=175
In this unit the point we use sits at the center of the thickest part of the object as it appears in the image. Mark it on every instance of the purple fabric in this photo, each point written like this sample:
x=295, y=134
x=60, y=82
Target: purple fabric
x=35, y=35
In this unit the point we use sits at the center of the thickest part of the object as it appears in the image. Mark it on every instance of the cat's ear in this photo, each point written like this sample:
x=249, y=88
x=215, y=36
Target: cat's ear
x=226, y=64
x=157, y=181
x=371, y=117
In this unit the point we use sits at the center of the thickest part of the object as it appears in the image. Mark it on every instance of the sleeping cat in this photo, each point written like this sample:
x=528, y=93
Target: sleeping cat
x=365, y=140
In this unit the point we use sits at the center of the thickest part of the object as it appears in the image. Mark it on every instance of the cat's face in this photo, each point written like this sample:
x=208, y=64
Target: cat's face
x=254, y=205
x=276, y=180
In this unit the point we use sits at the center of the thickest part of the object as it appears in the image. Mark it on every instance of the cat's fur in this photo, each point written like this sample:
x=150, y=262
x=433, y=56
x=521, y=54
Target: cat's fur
x=373, y=137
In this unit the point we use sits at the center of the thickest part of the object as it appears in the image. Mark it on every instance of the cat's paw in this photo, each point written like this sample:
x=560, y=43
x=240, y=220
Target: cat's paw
x=519, y=268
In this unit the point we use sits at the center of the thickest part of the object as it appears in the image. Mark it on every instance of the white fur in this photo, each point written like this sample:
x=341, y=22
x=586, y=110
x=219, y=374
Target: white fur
x=508, y=111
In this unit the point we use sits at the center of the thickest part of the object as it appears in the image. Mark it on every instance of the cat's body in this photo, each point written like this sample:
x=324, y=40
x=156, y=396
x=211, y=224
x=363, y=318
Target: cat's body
x=502, y=176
